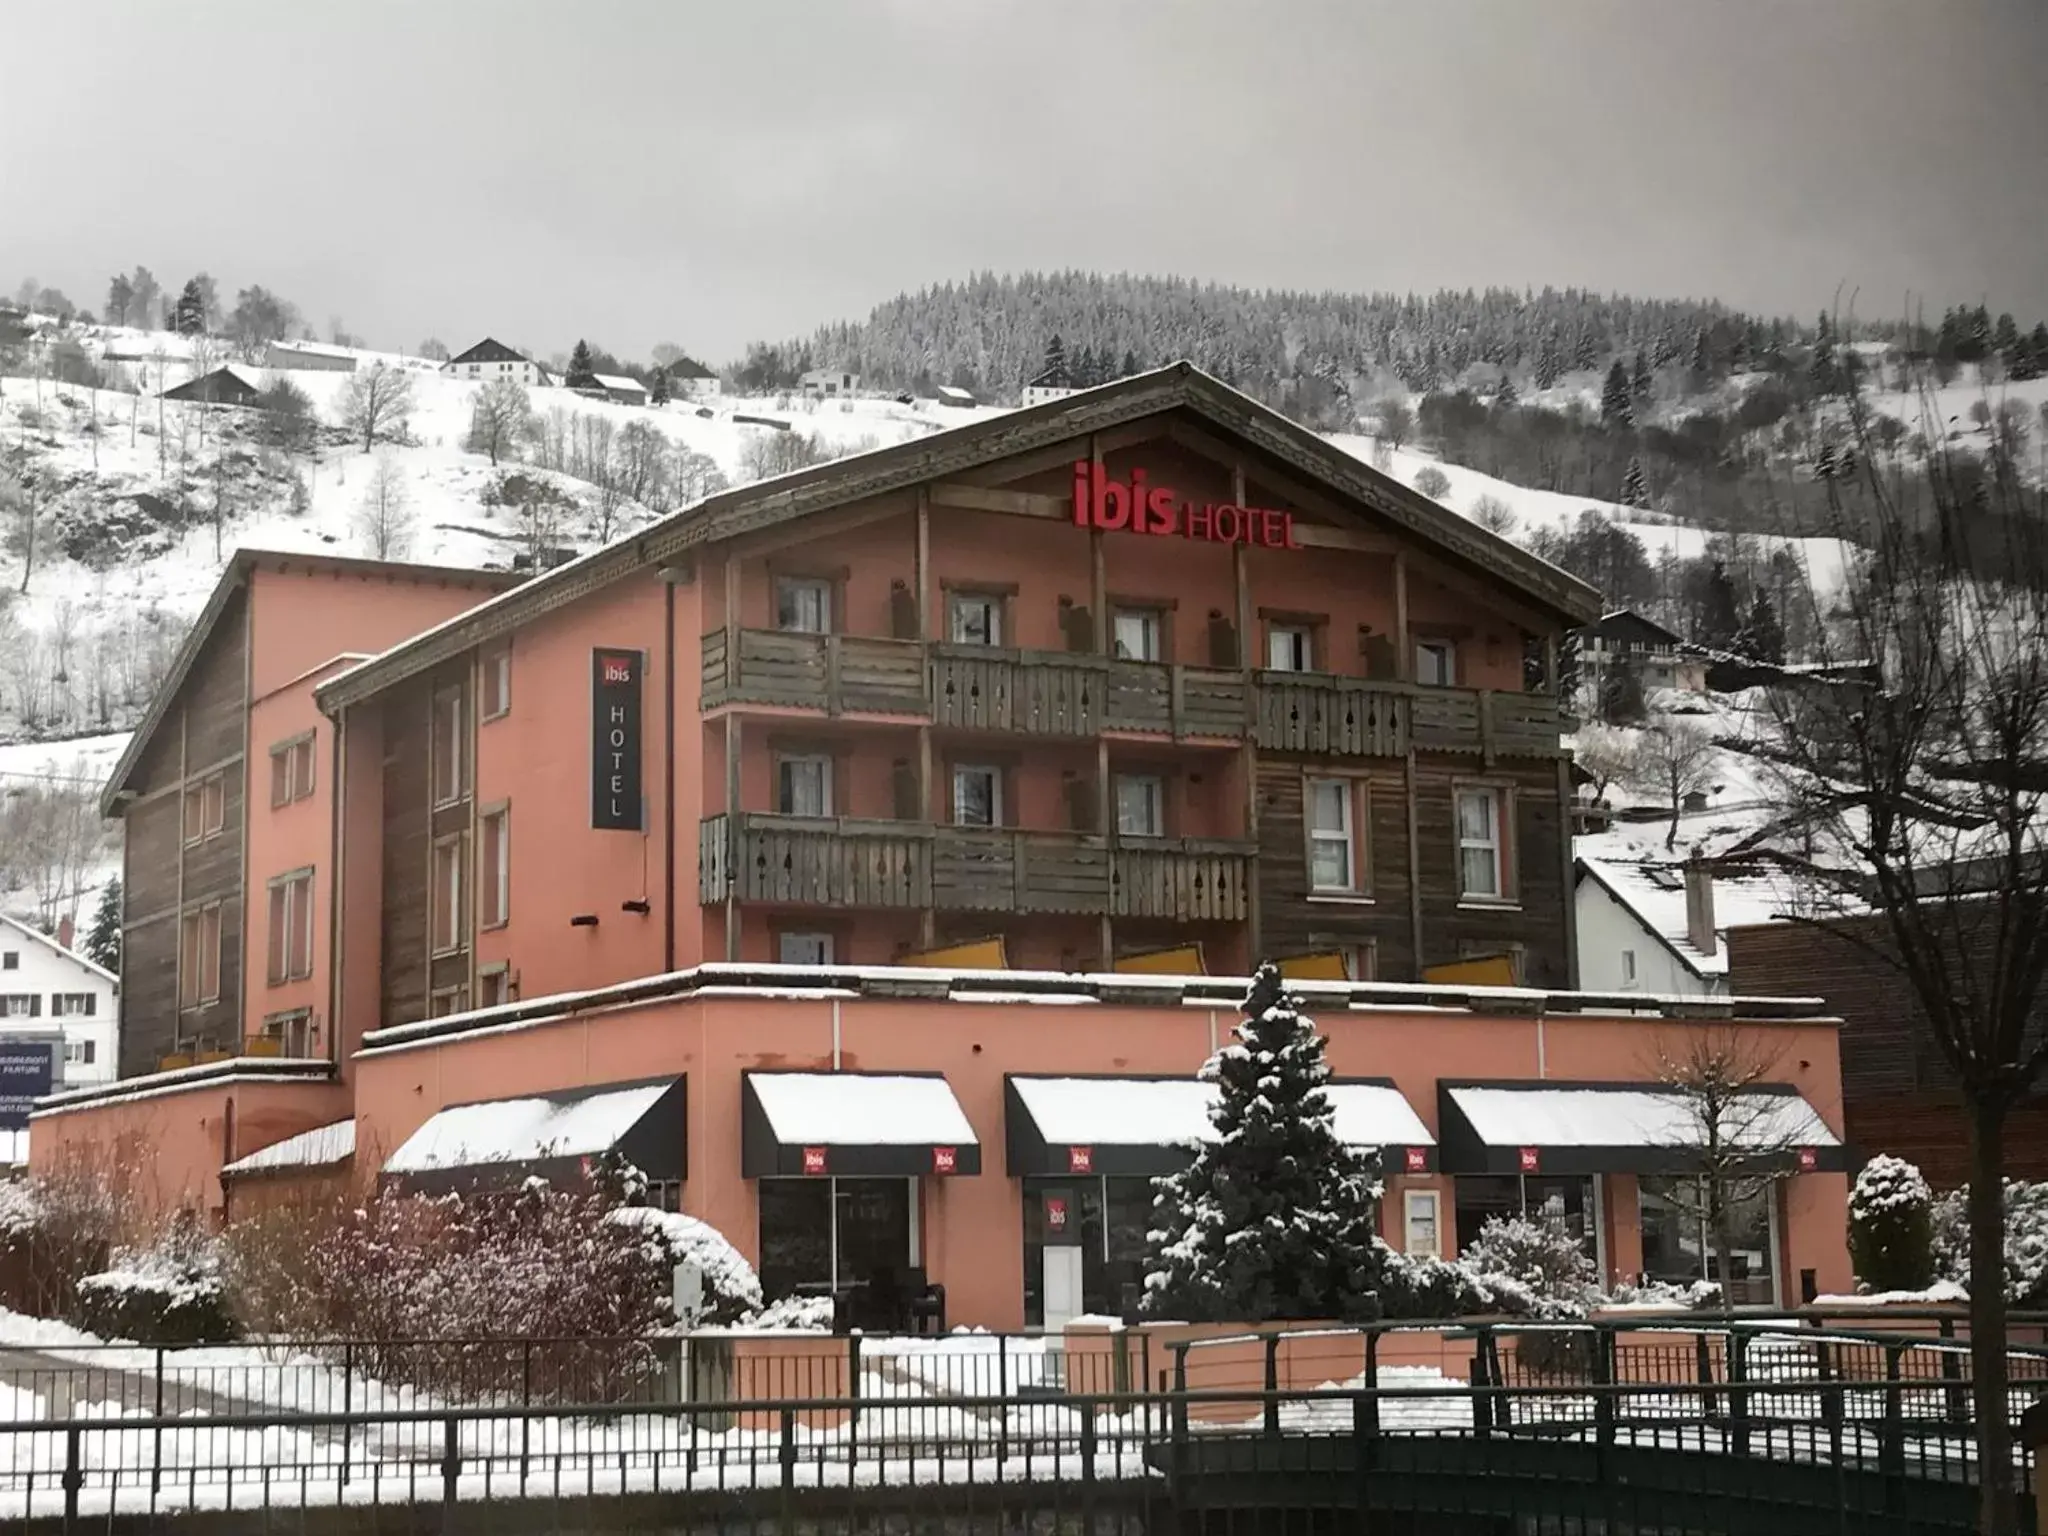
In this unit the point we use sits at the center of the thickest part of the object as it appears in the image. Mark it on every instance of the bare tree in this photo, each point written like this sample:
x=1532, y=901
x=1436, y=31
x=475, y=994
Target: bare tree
x=498, y=419
x=1674, y=758
x=377, y=403
x=642, y=465
x=20, y=508
x=1393, y=423
x=1432, y=482
x=384, y=519
x=1930, y=780
x=205, y=355
x=1605, y=754
x=1494, y=515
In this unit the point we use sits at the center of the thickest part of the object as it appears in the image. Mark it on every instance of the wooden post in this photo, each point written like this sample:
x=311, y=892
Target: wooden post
x=733, y=841
x=1415, y=867
x=1570, y=874
x=1098, y=569
x=732, y=620
x=1248, y=753
x=1105, y=810
x=921, y=563
x=1404, y=650
x=928, y=919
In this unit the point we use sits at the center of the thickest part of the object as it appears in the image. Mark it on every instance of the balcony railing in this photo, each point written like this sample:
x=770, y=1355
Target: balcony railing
x=1065, y=694
x=847, y=862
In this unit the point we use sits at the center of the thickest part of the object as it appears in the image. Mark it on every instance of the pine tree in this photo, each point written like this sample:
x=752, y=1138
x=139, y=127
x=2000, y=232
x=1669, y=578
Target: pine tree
x=120, y=299
x=1720, y=623
x=1130, y=365
x=1504, y=393
x=1053, y=366
x=1641, y=385
x=1549, y=367
x=657, y=392
x=103, y=939
x=188, y=314
x=2030, y=355
x=1616, y=409
x=1824, y=466
x=1763, y=637
x=1274, y=1219
x=1635, y=490
x=2004, y=337
x=580, y=375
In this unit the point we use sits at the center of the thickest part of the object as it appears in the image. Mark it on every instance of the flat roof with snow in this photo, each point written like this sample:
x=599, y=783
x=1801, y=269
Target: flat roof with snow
x=499, y=1142
x=880, y=1123
x=1584, y=1128
x=321, y=1147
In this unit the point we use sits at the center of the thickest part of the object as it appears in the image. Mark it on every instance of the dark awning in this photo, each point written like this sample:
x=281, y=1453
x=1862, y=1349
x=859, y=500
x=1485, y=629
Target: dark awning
x=1144, y=1127
x=881, y=1124
x=499, y=1143
x=1587, y=1128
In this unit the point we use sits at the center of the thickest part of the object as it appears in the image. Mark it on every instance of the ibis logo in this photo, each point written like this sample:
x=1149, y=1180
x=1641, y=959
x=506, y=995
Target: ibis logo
x=1158, y=510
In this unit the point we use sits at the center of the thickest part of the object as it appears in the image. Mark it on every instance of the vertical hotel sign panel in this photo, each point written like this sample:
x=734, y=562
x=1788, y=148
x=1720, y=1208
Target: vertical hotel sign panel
x=615, y=740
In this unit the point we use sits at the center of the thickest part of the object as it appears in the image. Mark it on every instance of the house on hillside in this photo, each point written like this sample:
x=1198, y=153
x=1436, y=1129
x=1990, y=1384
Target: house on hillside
x=617, y=388
x=1055, y=383
x=491, y=359
x=230, y=384
x=1657, y=926
x=1624, y=638
x=46, y=985
x=302, y=356
x=960, y=399
x=689, y=379
x=825, y=383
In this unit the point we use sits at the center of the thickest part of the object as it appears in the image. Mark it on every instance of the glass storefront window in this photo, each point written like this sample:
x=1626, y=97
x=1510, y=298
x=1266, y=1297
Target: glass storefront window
x=1678, y=1243
x=1571, y=1203
x=1106, y=1218
x=834, y=1232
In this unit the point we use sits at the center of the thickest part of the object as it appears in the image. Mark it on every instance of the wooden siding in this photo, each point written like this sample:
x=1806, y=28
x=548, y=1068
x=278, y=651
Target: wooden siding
x=1337, y=716
x=834, y=673
x=1291, y=923
x=406, y=836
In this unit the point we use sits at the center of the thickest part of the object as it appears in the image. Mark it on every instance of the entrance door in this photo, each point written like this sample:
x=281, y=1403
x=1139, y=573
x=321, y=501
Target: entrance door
x=1062, y=1284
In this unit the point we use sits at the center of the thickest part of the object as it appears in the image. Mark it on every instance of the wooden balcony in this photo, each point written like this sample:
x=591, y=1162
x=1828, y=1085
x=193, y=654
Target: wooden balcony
x=845, y=862
x=1324, y=715
x=838, y=674
x=1062, y=693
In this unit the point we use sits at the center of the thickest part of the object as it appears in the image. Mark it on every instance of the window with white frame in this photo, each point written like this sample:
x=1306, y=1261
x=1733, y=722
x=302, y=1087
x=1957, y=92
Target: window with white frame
x=447, y=891
x=803, y=949
x=1421, y=1224
x=1290, y=648
x=496, y=682
x=1480, y=872
x=10, y=960
x=447, y=748
x=1138, y=634
x=977, y=795
x=494, y=874
x=803, y=785
x=803, y=605
x=1140, y=805
x=974, y=618
x=1628, y=967
x=206, y=807
x=1333, y=861
x=1436, y=663
x=292, y=1031
x=291, y=770
x=81, y=1053
x=494, y=985
x=291, y=927
x=443, y=1001
x=73, y=1005
x=21, y=1005
x=199, y=957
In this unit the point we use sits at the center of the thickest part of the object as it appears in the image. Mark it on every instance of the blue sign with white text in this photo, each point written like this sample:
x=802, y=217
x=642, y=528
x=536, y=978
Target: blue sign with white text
x=28, y=1068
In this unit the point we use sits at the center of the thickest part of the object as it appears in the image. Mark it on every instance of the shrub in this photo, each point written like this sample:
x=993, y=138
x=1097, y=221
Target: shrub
x=1516, y=1255
x=1891, y=1226
x=55, y=1229
x=732, y=1291
x=2026, y=1240
x=167, y=1293
x=1432, y=482
x=1424, y=1288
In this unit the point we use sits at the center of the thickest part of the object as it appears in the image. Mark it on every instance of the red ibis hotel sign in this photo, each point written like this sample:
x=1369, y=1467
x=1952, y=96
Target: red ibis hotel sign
x=1100, y=502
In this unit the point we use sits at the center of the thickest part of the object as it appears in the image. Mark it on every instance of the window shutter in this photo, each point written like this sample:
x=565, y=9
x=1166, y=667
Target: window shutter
x=1378, y=651
x=1080, y=793
x=902, y=611
x=904, y=781
x=91, y=1007
x=1223, y=648
x=1077, y=624
x=35, y=1005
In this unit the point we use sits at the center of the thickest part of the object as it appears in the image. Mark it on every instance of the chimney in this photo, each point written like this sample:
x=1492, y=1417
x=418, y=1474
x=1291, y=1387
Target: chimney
x=1699, y=905
x=66, y=930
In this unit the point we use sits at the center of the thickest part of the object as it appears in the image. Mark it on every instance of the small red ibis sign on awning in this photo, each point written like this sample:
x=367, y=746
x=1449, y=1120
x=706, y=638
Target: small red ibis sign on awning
x=945, y=1160
x=1418, y=1160
x=814, y=1159
x=1080, y=1159
x=1055, y=1213
x=1530, y=1160
x=1808, y=1159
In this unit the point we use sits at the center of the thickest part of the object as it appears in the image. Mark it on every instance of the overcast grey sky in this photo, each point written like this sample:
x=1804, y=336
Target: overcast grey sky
x=646, y=170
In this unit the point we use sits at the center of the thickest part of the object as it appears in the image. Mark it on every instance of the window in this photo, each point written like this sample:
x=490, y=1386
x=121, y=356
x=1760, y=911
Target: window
x=835, y=1231
x=803, y=785
x=443, y=1001
x=803, y=605
x=1140, y=805
x=80, y=1053
x=199, y=958
x=977, y=796
x=206, y=805
x=1479, y=861
x=20, y=1005
x=494, y=986
x=1138, y=634
x=1567, y=1205
x=974, y=618
x=292, y=1031
x=291, y=770
x=494, y=878
x=450, y=764
x=1419, y=1222
x=1628, y=967
x=1290, y=648
x=11, y=960
x=496, y=683
x=446, y=892
x=1334, y=863
x=1678, y=1246
x=803, y=949
x=291, y=927
x=73, y=1005
x=1436, y=663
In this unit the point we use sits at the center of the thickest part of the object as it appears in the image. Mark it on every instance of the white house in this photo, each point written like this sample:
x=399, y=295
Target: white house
x=1055, y=383
x=1656, y=925
x=308, y=355
x=44, y=986
x=1625, y=638
x=829, y=382
x=689, y=379
x=490, y=359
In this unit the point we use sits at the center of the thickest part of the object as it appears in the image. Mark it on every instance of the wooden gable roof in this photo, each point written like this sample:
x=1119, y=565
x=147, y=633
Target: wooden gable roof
x=489, y=350
x=1253, y=428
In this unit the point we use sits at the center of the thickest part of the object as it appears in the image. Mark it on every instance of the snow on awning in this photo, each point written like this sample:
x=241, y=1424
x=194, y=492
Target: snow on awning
x=1580, y=1128
x=1144, y=1126
x=321, y=1147
x=875, y=1123
x=499, y=1143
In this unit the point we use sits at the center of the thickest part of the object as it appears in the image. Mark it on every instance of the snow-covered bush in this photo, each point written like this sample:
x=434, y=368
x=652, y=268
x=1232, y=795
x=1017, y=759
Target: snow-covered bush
x=1274, y=1218
x=55, y=1229
x=812, y=1314
x=1522, y=1256
x=1891, y=1226
x=1697, y=1296
x=732, y=1291
x=1424, y=1288
x=169, y=1292
x=2026, y=1240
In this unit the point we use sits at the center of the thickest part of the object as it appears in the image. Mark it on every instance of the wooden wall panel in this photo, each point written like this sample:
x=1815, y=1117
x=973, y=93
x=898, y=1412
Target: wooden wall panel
x=149, y=993
x=149, y=861
x=217, y=692
x=406, y=829
x=1291, y=923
